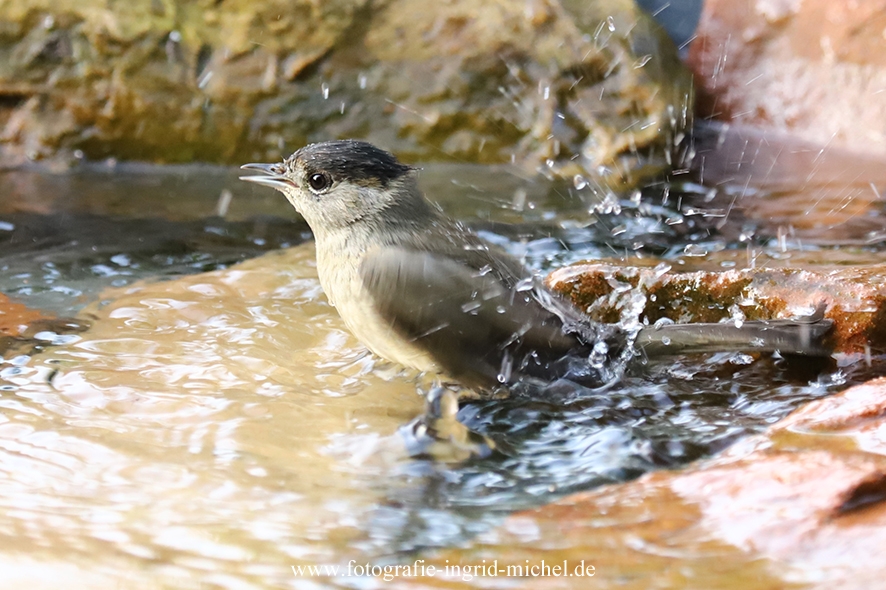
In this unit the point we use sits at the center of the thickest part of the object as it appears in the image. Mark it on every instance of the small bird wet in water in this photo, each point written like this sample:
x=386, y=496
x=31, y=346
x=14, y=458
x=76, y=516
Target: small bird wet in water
x=420, y=289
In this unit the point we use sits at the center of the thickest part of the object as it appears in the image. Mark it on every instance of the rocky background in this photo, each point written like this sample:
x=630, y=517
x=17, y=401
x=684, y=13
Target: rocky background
x=565, y=85
x=815, y=69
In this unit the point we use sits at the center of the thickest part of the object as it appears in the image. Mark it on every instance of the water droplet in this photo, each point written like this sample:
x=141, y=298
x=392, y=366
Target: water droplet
x=324, y=87
x=361, y=80
x=642, y=61
x=519, y=201
x=662, y=322
x=610, y=24
x=695, y=250
x=121, y=260
x=471, y=306
x=204, y=79
x=526, y=284
x=507, y=367
x=740, y=358
x=661, y=269
x=737, y=315
x=579, y=182
x=609, y=205
x=666, y=340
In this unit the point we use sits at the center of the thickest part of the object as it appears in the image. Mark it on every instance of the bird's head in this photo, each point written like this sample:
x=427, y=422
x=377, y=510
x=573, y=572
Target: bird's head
x=335, y=184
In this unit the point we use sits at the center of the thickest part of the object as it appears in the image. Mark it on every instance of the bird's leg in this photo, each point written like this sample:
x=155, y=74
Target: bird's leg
x=438, y=433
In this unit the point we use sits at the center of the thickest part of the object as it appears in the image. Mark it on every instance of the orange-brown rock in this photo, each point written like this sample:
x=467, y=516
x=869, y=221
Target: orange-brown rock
x=16, y=318
x=20, y=326
x=802, y=506
x=815, y=68
x=855, y=297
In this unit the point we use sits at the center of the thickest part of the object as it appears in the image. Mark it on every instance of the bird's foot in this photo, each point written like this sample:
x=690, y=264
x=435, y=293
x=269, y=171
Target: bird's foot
x=437, y=433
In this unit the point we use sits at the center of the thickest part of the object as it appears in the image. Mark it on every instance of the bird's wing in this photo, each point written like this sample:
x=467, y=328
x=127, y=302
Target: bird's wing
x=468, y=316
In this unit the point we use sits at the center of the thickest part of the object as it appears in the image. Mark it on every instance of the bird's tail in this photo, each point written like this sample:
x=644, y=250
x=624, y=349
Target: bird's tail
x=807, y=336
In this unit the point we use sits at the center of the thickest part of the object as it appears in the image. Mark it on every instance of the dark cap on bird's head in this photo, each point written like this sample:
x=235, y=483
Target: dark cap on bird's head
x=350, y=159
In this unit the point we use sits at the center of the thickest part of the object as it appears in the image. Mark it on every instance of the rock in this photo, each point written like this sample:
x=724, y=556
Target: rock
x=776, y=184
x=21, y=326
x=15, y=318
x=814, y=68
x=855, y=297
x=595, y=87
x=803, y=504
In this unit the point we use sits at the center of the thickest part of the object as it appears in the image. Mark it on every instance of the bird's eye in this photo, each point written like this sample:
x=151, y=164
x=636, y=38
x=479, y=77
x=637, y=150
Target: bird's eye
x=319, y=181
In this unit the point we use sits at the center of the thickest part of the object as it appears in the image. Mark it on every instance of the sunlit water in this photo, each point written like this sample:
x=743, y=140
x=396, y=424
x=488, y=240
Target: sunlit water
x=216, y=424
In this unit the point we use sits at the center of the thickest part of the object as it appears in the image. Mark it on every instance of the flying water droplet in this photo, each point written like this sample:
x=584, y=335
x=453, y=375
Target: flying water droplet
x=519, y=201
x=737, y=315
x=526, y=284
x=662, y=322
x=324, y=87
x=579, y=182
x=660, y=270
x=642, y=61
x=507, y=367
x=471, y=306
x=609, y=205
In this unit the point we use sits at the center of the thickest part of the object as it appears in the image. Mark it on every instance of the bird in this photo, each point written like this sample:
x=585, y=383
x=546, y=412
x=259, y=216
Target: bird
x=424, y=291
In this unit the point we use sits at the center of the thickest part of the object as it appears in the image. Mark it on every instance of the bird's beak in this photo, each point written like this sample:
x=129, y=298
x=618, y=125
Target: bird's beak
x=272, y=175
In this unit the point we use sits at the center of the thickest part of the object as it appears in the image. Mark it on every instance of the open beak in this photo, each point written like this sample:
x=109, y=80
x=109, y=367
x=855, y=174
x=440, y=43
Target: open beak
x=272, y=175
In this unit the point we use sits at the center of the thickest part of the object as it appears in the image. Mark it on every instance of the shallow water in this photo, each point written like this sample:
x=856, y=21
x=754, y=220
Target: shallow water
x=216, y=424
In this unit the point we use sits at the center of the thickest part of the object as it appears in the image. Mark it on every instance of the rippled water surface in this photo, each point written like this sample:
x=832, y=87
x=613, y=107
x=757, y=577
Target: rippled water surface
x=216, y=425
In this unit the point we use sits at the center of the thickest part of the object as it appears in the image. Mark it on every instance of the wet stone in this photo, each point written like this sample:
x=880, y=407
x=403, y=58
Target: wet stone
x=855, y=297
x=802, y=504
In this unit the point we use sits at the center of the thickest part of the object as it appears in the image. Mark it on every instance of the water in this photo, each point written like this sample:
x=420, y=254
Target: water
x=216, y=424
